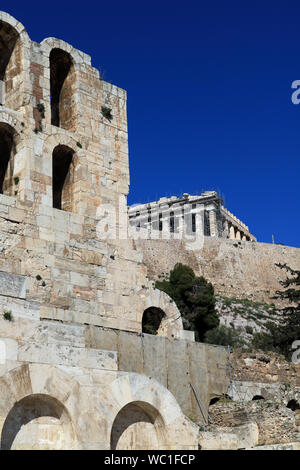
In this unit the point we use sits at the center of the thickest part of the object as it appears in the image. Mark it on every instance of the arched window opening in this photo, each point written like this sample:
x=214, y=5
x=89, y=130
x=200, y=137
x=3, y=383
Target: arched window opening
x=63, y=177
x=152, y=320
x=6, y=159
x=10, y=62
x=37, y=422
x=62, y=78
x=293, y=405
x=257, y=397
x=137, y=426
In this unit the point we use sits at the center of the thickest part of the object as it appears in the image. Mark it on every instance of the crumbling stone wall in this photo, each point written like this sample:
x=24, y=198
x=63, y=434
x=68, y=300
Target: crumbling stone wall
x=276, y=423
x=264, y=368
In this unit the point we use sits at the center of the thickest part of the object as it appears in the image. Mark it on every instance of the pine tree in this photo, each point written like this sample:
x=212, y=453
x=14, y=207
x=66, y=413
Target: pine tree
x=194, y=297
x=288, y=329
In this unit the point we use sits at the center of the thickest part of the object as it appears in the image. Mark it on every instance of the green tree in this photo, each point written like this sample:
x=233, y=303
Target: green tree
x=281, y=335
x=224, y=336
x=194, y=297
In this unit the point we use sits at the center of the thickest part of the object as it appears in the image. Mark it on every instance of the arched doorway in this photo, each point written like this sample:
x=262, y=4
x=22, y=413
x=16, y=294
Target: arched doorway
x=63, y=177
x=37, y=422
x=137, y=426
x=152, y=321
x=62, y=80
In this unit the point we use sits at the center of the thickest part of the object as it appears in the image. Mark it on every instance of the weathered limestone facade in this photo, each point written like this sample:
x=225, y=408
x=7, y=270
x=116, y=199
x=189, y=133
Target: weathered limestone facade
x=204, y=215
x=75, y=370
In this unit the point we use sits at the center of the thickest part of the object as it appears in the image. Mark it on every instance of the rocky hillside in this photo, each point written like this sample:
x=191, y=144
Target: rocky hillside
x=245, y=316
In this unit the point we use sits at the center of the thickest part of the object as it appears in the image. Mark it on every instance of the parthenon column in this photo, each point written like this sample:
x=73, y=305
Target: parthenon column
x=231, y=232
x=226, y=228
x=238, y=235
x=213, y=223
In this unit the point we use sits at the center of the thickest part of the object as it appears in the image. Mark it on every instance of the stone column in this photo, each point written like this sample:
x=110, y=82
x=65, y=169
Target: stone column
x=213, y=223
x=244, y=237
x=200, y=219
x=238, y=235
x=226, y=228
x=231, y=232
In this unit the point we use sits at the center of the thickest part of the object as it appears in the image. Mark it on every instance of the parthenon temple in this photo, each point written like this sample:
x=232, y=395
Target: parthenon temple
x=204, y=214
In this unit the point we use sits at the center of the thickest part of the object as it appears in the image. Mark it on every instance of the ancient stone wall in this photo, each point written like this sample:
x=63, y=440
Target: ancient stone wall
x=276, y=423
x=75, y=371
x=76, y=368
x=236, y=268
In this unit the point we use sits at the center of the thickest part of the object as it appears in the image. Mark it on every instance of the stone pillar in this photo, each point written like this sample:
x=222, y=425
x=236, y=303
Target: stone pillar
x=226, y=228
x=231, y=232
x=213, y=223
x=200, y=219
x=244, y=237
x=238, y=235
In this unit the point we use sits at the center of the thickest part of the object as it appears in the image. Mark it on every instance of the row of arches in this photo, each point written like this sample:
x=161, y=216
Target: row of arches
x=63, y=166
x=62, y=76
x=43, y=407
x=41, y=422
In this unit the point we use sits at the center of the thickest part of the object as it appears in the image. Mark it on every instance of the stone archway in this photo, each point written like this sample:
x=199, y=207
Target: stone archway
x=13, y=40
x=37, y=422
x=138, y=426
x=143, y=414
x=36, y=408
x=153, y=320
x=170, y=321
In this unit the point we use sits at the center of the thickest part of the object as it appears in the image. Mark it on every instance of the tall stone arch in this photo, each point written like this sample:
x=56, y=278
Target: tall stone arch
x=33, y=392
x=143, y=402
x=14, y=65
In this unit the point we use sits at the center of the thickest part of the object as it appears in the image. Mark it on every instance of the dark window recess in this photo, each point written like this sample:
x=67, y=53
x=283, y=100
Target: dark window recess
x=60, y=66
x=8, y=40
x=62, y=184
x=6, y=149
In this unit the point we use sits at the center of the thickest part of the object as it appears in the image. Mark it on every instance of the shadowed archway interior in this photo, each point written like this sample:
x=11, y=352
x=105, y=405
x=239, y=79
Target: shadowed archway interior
x=6, y=162
x=61, y=65
x=62, y=160
x=137, y=426
x=152, y=320
x=37, y=422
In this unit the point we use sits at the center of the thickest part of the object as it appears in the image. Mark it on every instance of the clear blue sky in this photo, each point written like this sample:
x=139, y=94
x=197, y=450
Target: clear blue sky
x=209, y=96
